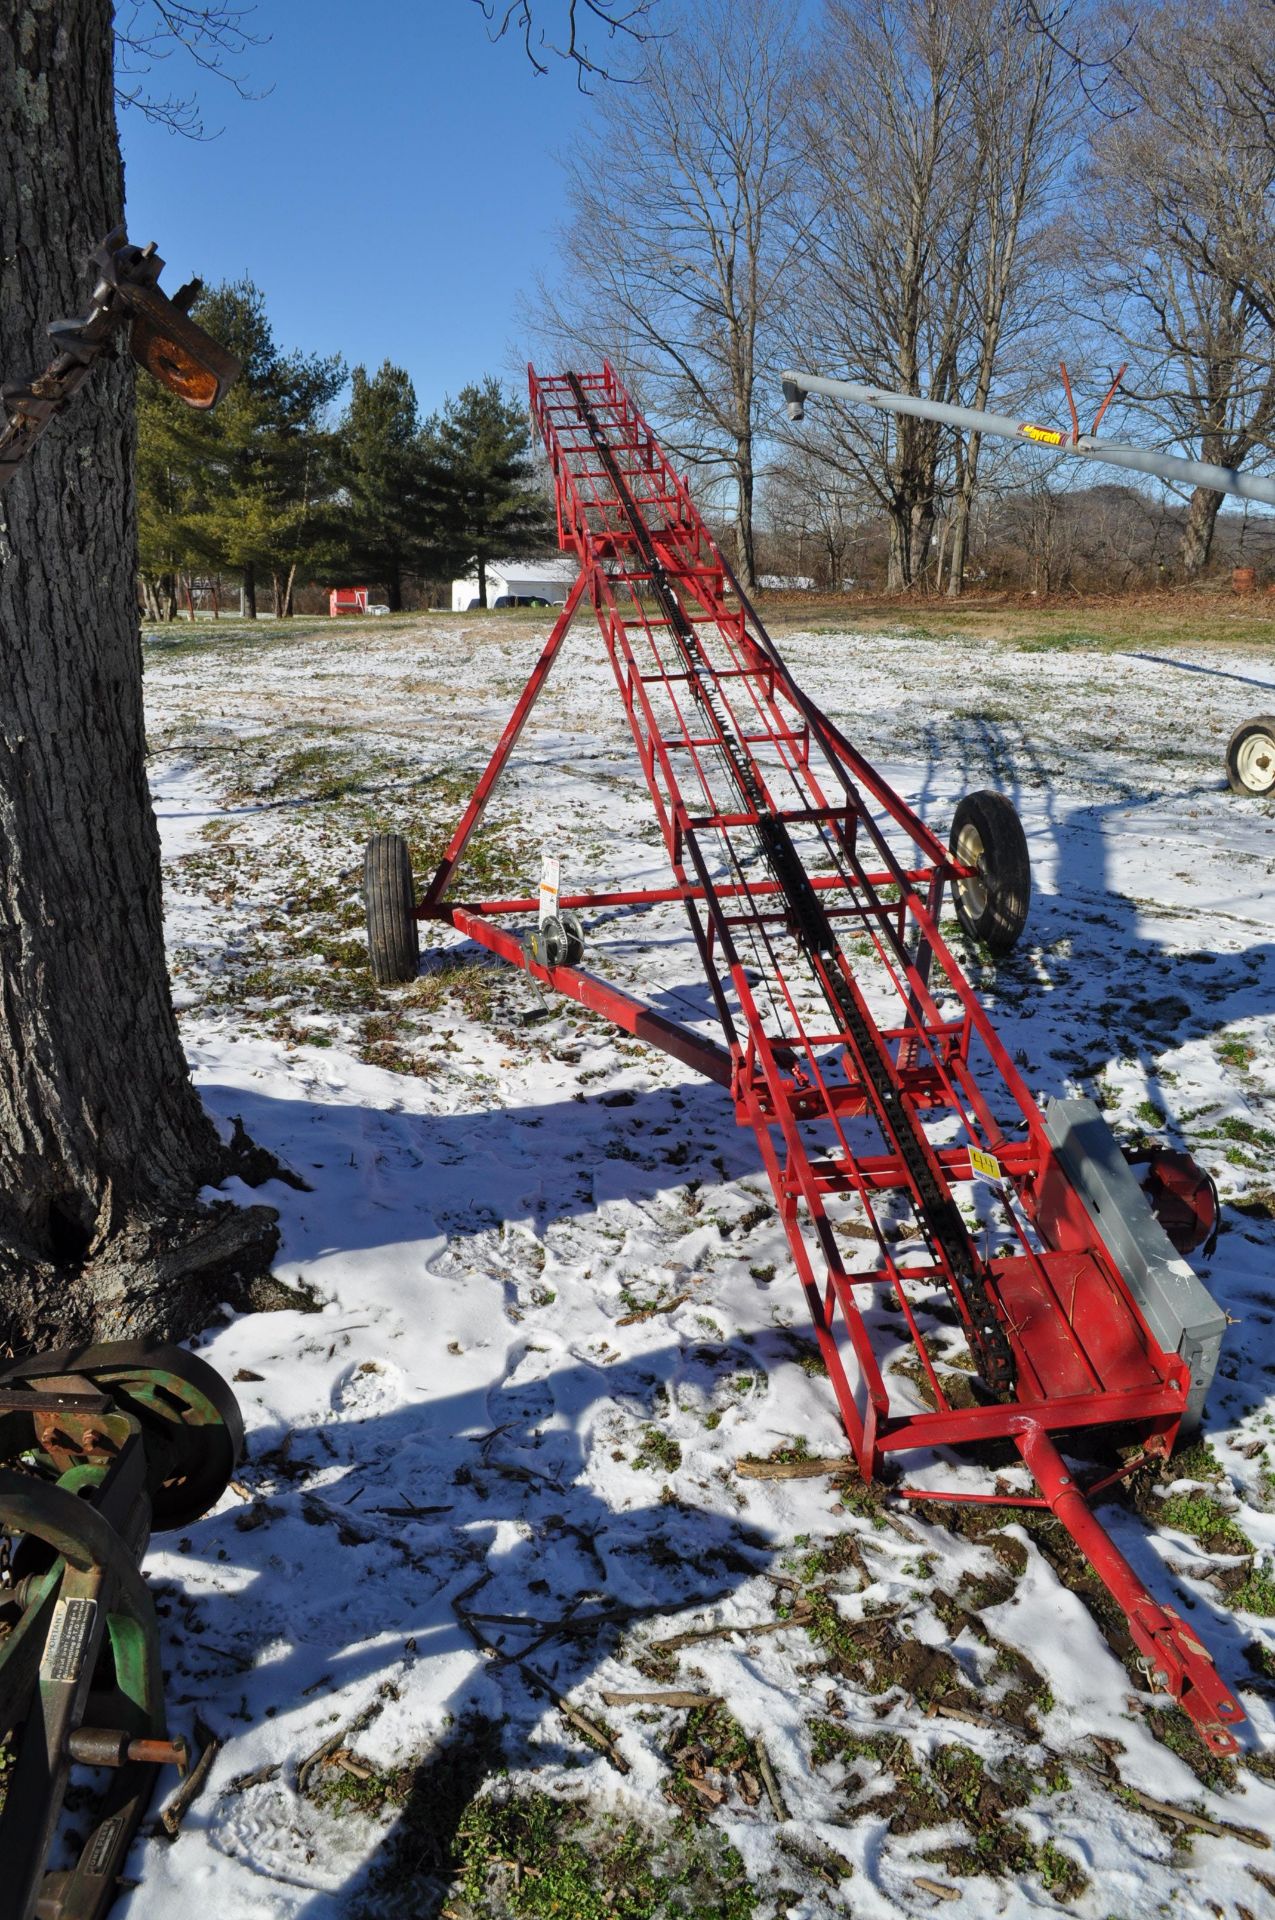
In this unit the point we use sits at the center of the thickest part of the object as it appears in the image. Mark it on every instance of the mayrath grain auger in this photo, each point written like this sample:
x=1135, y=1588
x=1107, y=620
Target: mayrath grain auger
x=99, y=1446
x=880, y=1094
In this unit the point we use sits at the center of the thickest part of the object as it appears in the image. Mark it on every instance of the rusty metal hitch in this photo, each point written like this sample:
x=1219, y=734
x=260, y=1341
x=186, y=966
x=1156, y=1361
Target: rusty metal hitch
x=164, y=339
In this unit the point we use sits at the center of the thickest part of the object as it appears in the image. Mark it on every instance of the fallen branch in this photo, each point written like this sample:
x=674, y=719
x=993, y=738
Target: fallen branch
x=648, y=1313
x=937, y=1887
x=175, y=1812
x=768, y=1779
x=257, y=1778
x=790, y=1469
x=1251, y=1836
x=316, y=1759
x=799, y=1617
x=669, y=1698
x=580, y=1721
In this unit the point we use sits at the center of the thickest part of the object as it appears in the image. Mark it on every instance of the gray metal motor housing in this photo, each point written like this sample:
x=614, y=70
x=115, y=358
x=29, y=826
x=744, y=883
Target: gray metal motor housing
x=1178, y=1308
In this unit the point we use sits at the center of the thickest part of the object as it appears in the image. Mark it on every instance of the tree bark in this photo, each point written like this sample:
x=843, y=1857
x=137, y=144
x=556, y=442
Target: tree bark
x=1197, y=534
x=101, y=1132
x=248, y=593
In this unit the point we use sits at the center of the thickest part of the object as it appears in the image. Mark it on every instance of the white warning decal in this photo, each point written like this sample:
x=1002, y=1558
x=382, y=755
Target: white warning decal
x=68, y=1636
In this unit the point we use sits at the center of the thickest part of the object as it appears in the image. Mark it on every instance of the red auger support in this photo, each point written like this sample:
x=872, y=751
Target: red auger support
x=876, y=1086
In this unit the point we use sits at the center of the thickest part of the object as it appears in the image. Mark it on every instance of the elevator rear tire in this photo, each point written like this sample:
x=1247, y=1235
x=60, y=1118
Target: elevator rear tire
x=991, y=904
x=393, y=932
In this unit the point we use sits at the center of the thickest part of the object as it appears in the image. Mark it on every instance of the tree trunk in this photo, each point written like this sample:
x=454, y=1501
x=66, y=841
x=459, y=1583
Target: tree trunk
x=248, y=593
x=1197, y=535
x=101, y=1132
x=967, y=483
x=745, y=546
x=482, y=582
x=394, y=588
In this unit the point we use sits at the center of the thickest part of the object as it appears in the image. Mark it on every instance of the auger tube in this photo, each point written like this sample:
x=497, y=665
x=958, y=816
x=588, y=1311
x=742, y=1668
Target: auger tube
x=1086, y=446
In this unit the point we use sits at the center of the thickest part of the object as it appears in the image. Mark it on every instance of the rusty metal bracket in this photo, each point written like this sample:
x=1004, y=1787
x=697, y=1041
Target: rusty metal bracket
x=98, y=1445
x=164, y=339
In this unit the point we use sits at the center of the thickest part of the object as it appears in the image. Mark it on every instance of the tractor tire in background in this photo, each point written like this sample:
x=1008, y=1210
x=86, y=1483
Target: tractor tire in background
x=1250, y=758
x=393, y=932
x=991, y=904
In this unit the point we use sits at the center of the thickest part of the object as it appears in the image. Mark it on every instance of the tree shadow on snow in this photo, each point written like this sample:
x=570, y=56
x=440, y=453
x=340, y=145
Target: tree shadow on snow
x=448, y=1564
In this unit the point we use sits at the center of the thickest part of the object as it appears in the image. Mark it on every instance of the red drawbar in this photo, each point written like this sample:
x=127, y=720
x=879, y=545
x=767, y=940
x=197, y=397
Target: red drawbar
x=886, y=1110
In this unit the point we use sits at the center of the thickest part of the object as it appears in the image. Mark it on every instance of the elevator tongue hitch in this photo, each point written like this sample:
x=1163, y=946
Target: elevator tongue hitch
x=164, y=339
x=99, y=1446
x=920, y=1186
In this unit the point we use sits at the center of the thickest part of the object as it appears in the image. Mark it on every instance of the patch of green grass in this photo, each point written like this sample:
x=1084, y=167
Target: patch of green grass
x=1058, y=1873
x=659, y=1452
x=1236, y=1051
x=1244, y=1131
x=1197, y=1462
x=1178, y=1734
x=526, y=1853
x=1256, y=1593
x=1149, y=1114
x=1200, y=1515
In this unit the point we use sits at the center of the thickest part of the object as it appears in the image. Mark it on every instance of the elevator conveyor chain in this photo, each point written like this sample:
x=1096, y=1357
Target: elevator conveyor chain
x=936, y=1209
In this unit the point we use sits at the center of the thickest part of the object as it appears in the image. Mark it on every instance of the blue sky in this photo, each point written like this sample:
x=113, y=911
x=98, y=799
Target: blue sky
x=393, y=195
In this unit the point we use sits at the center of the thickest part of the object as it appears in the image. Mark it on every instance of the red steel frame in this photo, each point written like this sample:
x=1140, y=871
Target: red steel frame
x=867, y=1086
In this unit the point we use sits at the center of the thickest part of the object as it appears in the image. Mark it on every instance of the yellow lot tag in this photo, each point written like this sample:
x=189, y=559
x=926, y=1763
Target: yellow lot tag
x=1047, y=435
x=985, y=1163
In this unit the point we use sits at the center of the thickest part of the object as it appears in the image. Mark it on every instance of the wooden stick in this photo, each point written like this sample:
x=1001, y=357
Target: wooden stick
x=648, y=1313
x=175, y=1812
x=316, y=1759
x=670, y=1698
x=937, y=1886
x=1252, y=1836
x=676, y=1641
x=768, y=1779
x=583, y=1725
x=790, y=1469
x=580, y=1721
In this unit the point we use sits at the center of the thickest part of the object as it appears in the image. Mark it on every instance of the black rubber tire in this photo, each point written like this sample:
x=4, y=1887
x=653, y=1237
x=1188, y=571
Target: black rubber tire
x=393, y=931
x=988, y=834
x=1250, y=758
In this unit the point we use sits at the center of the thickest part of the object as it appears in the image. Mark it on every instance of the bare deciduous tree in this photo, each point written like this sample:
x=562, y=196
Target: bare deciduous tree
x=1023, y=98
x=625, y=24
x=893, y=205
x=676, y=258
x=938, y=134
x=1177, y=224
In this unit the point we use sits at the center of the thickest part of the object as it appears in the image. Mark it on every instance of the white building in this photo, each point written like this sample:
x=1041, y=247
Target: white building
x=517, y=582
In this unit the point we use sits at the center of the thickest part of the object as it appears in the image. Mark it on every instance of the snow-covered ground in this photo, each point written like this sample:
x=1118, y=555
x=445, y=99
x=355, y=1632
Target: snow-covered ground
x=485, y=1480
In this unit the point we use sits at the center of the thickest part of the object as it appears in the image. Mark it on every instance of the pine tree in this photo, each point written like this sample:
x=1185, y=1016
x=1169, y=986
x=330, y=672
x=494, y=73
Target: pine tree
x=488, y=504
x=245, y=487
x=386, y=507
